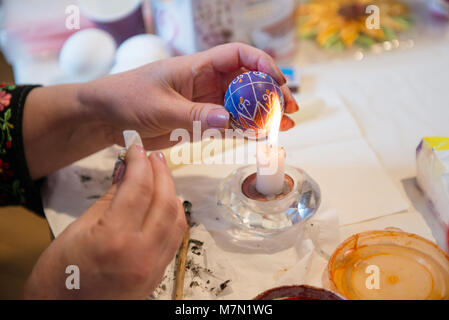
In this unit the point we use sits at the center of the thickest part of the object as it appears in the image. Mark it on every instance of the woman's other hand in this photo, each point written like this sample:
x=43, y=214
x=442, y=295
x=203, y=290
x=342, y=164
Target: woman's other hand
x=122, y=244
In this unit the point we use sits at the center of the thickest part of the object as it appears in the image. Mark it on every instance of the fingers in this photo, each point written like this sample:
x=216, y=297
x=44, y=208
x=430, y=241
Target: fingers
x=228, y=77
x=230, y=57
x=210, y=115
x=290, y=102
x=160, y=142
x=164, y=210
x=174, y=238
x=286, y=123
x=165, y=222
x=134, y=192
x=290, y=107
x=217, y=117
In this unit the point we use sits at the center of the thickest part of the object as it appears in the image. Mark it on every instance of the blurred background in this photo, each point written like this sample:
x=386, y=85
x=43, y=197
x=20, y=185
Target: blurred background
x=50, y=41
x=56, y=41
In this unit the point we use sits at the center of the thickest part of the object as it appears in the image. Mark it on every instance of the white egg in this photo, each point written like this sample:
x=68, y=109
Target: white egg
x=138, y=51
x=88, y=54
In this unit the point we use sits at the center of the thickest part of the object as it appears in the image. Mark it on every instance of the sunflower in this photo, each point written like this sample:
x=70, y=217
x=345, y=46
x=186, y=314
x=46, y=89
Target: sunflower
x=342, y=23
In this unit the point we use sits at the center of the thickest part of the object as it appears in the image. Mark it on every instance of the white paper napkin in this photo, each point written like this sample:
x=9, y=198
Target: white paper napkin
x=397, y=99
x=351, y=176
x=253, y=265
x=323, y=118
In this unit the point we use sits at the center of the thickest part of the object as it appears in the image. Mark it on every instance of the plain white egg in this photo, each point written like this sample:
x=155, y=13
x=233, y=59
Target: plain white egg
x=88, y=54
x=138, y=51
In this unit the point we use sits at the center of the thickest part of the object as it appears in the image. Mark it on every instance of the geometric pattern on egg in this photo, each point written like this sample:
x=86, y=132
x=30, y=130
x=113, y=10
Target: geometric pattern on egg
x=249, y=99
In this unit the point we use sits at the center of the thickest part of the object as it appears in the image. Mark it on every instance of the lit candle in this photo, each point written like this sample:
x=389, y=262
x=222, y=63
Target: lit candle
x=270, y=157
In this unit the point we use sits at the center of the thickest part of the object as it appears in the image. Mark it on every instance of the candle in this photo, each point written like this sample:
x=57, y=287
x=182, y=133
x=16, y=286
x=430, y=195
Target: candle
x=270, y=170
x=270, y=157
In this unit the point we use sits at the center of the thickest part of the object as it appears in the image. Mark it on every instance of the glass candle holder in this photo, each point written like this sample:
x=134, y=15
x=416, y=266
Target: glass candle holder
x=241, y=204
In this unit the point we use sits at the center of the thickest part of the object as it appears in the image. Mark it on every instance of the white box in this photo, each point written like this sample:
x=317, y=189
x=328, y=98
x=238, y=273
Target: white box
x=432, y=160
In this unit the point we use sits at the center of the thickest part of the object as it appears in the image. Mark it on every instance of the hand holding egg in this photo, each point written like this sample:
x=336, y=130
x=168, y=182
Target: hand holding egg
x=172, y=93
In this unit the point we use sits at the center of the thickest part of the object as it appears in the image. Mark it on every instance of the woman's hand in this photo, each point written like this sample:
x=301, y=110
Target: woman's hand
x=172, y=93
x=123, y=243
x=62, y=124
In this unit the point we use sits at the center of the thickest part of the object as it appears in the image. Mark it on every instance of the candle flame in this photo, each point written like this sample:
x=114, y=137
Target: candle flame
x=274, y=122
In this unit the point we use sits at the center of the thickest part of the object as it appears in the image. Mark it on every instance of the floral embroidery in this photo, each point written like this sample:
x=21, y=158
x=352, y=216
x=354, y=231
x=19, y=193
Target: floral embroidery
x=9, y=87
x=5, y=96
x=5, y=128
x=15, y=185
x=5, y=170
x=5, y=99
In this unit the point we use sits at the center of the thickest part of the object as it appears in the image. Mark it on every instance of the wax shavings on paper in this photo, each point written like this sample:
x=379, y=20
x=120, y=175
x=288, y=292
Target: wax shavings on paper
x=204, y=279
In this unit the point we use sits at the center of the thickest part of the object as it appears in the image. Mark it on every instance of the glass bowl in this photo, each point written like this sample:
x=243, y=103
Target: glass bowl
x=388, y=265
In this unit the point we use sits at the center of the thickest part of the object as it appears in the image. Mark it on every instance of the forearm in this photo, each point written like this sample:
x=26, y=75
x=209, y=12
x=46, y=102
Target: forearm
x=58, y=129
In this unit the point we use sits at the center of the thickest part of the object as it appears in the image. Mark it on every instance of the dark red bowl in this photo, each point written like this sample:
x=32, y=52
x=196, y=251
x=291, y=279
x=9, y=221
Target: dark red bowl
x=302, y=292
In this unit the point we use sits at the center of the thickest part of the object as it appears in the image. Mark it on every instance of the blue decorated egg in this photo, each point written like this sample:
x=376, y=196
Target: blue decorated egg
x=249, y=99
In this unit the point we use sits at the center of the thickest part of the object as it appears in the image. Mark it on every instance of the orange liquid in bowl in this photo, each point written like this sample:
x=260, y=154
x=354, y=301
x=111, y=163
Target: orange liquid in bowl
x=404, y=265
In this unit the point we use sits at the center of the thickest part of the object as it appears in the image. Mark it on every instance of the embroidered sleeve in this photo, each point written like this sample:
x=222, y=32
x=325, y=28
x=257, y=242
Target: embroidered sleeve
x=16, y=185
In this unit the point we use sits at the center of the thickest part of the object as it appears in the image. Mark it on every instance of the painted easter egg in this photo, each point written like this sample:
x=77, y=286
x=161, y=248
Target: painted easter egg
x=249, y=99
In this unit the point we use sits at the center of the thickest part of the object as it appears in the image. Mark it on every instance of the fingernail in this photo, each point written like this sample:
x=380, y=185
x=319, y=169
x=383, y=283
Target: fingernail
x=161, y=157
x=287, y=123
x=218, y=118
x=139, y=148
x=119, y=171
x=283, y=77
x=297, y=107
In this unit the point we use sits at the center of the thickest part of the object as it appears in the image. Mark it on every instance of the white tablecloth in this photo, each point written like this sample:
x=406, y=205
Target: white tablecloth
x=397, y=99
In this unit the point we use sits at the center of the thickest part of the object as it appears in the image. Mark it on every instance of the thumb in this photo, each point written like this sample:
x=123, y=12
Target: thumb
x=210, y=115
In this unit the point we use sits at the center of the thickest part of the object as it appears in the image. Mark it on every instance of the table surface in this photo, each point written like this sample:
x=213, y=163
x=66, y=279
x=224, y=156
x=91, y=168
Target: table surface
x=396, y=98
